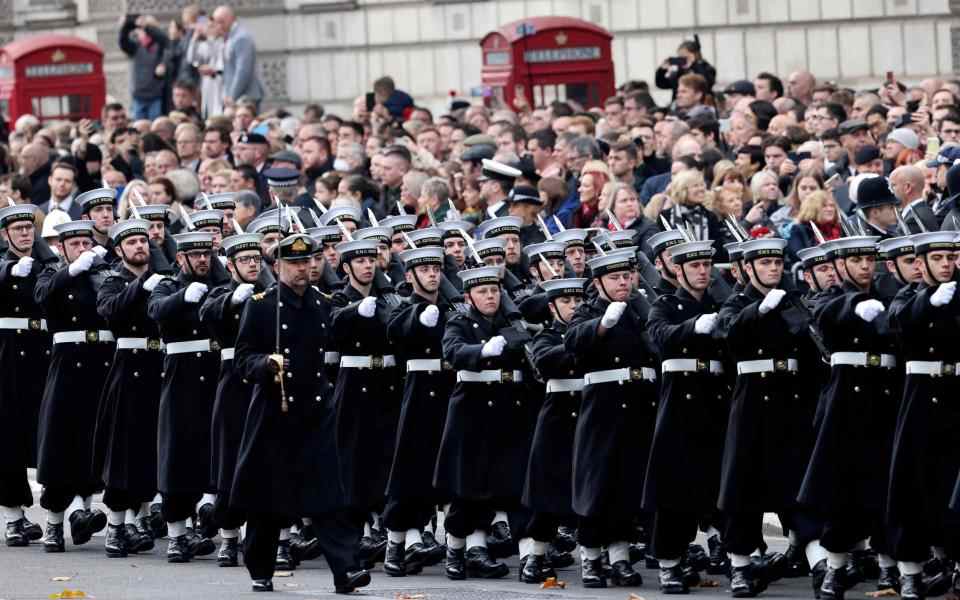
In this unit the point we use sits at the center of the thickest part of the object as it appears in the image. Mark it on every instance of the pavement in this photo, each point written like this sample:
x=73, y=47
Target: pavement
x=30, y=574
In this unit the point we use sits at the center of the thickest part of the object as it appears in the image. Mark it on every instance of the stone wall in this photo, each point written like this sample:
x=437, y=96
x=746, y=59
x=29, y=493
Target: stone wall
x=329, y=51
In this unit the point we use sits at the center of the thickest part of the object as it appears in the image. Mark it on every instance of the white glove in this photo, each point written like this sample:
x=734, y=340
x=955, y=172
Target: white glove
x=494, y=346
x=613, y=314
x=868, y=310
x=194, y=292
x=771, y=301
x=368, y=307
x=100, y=250
x=243, y=291
x=430, y=316
x=82, y=264
x=706, y=323
x=944, y=293
x=23, y=267
x=152, y=281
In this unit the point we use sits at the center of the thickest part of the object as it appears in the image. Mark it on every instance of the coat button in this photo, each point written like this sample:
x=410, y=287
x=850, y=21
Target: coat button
x=763, y=375
x=79, y=365
x=489, y=402
x=106, y=363
x=689, y=396
x=74, y=319
x=426, y=350
x=796, y=396
x=363, y=389
x=358, y=344
x=14, y=286
x=683, y=350
x=571, y=371
x=475, y=326
x=318, y=397
x=934, y=399
x=245, y=381
x=289, y=374
x=432, y=393
x=22, y=353
x=286, y=350
x=616, y=359
x=319, y=374
x=283, y=326
x=202, y=378
x=136, y=373
x=931, y=350
x=69, y=296
x=886, y=391
x=17, y=309
x=518, y=403
x=760, y=351
x=199, y=354
x=290, y=399
x=573, y=414
x=624, y=405
x=766, y=398
x=856, y=340
x=856, y=388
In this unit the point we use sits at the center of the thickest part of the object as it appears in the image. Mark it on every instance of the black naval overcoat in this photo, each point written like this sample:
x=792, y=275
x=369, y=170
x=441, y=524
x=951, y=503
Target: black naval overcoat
x=71, y=398
x=484, y=449
x=615, y=426
x=766, y=446
x=222, y=320
x=548, y=486
x=187, y=393
x=126, y=457
x=923, y=464
x=368, y=400
x=287, y=463
x=425, y=398
x=683, y=472
x=25, y=356
x=854, y=423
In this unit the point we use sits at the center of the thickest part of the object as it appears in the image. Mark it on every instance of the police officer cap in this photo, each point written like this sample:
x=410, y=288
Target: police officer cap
x=526, y=195
x=479, y=153
x=280, y=177
x=252, y=138
x=493, y=169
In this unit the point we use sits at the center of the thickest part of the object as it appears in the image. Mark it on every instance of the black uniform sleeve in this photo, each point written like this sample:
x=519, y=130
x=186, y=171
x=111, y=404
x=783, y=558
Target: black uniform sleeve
x=217, y=305
x=116, y=297
x=458, y=347
x=51, y=282
x=669, y=337
x=166, y=301
x=256, y=341
x=551, y=357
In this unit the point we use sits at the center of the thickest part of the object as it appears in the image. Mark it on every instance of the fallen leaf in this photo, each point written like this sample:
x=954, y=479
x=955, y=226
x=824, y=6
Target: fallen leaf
x=291, y=585
x=709, y=583
x=553, y=582
x=283, y=574
x=635, y=597
x=402, y=596
x=885, y=593
x=61, y=578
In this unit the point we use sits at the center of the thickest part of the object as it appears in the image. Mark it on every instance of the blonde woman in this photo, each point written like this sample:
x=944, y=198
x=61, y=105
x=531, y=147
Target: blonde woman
x=817, y=207
x=767, y=199
x=123, y=206
x=687, y=192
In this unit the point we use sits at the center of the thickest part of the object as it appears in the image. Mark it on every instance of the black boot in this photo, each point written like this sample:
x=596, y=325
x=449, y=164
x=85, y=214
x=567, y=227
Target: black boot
x=229, y=554
x=912, y=588
x=691, y=576
x=697, y=557
x=284, y=562
x=53, y=538
x=394, y=563
x=178, y=550
x=480, y=564
x=718, y=563
x=435, y=550
x=16, y=536
x=415, y=557
x=889, y=578
x=558, y=560
x=500, y=542
x=199, y=545
x=623, y=575
x=206, y=524
x=671, y=581
x=262, y=585
x=33, y=531
x=867, y=563
x=456, y=564
x=116, y=541
x=304, y=548
x=138, y=540
x=834, y=584
x=371, y=550
x=638, y=552
x=939, y=583
x=743, y=583
x=817, y=573
x=796, y=565
x=532, y=567
x=84, y=523
x=591, y=573
x=773, y=566
x=565, y=540
x=158, y=526
x=351, y=581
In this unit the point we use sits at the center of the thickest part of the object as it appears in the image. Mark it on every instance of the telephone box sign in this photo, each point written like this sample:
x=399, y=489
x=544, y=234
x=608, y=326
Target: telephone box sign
x=543, y=59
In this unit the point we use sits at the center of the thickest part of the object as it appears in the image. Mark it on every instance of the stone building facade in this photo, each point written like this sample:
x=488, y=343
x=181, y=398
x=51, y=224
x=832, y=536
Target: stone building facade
x=329, y=51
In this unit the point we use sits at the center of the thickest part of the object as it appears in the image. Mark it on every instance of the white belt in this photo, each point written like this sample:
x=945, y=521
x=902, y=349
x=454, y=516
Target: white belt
x=427, y=364
x=126, y=343
x=91, y=336
x=863, y=359
x=490, y=376
x=620, y=375
x=226, y=354
x=564, y=385
x=935, y=368
x=331, y=358
x=191, y=346
x=692, y=365
x=20, y=323
x=768, y=365
x=368, y=362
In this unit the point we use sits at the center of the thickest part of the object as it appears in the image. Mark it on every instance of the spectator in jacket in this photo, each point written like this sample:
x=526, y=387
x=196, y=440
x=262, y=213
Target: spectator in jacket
x=144, y=43
x=240, y=76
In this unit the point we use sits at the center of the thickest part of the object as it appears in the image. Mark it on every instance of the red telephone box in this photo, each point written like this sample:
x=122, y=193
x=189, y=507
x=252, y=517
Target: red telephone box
x=51, y=77
x=547, y=59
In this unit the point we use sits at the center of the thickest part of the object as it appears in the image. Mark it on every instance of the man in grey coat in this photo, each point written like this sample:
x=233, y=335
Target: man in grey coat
x=240, y=78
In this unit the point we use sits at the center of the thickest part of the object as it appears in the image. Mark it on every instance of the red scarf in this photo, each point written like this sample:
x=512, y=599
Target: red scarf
x=830, y=231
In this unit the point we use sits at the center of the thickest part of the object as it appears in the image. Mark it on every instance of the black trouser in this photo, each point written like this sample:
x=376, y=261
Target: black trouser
x=672, y=533
x=57, y=499
x=336, y=532
x=597, y=531
x=404, y=514
x=15, y=488
x=180, y=506
x=466, y=516
x=119, y=500
x=842, y=530
x=225, y=516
